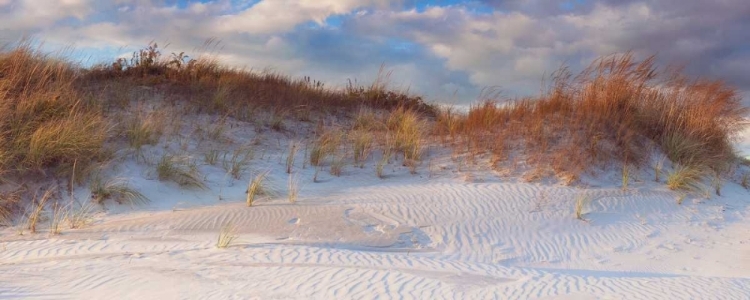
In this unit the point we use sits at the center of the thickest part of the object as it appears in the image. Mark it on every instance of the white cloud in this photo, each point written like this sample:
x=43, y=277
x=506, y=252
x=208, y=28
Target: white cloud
x=275, y=16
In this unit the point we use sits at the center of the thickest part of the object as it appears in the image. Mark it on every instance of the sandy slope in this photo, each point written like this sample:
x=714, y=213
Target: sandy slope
x=405, y=236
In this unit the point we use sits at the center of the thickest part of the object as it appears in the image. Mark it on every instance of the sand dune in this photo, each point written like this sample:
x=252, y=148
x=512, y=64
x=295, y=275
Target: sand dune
x=411, y=238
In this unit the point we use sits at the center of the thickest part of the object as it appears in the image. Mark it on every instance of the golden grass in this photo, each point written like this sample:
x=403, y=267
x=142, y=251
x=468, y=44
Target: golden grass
x=227, y=235
x=255, y=187
x=686, y=178
x=326, y=144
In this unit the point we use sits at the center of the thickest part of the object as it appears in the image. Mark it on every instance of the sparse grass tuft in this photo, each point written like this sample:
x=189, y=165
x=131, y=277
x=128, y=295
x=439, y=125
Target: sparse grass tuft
x=362, y=143
x=255, y=187
x=180, y=169
x=745, y=181
x=238, y=162
x=141, y=130
x=294, y=188
x=37, y=207
x=326, y=144
x=581, y=202
x=227, y=235
x=116, y=189
x=79, y=215
x=291, y=155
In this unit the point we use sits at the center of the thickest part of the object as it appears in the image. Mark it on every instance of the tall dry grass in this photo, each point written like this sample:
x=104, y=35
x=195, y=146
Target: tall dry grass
x=617, y=111
x=45, y=122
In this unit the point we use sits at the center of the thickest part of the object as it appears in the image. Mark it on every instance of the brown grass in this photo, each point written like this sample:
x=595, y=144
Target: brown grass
x=615, y=111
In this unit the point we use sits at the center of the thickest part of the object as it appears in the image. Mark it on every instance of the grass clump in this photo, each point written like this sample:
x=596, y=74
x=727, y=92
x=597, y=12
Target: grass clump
x=362, y=143
x=116, y=189
x=227, y=235
x=238, y=162
x=294, y=187
x=326, y=144
x=581, y=201
x=255, y=187
x=406, y=129
x=180, y=169
x=686, y=178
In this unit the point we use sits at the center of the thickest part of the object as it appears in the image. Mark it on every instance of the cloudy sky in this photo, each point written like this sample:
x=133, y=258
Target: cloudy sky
x=446, y=49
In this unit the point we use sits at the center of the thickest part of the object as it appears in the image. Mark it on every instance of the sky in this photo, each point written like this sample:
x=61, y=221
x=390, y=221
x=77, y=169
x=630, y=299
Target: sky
x=447, y=50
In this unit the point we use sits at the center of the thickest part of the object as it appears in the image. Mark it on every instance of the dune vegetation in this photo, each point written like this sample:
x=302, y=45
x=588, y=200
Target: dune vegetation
x=61, y=122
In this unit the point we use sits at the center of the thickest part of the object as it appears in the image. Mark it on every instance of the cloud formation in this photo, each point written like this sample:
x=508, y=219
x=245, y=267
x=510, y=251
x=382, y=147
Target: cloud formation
x=447, y=50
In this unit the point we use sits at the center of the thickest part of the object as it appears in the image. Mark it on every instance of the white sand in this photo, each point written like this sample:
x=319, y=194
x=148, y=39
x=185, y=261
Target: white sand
x=406, y=236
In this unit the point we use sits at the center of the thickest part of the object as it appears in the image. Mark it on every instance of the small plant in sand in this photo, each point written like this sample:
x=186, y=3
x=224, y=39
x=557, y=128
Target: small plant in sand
x=215, y=131
x=143, y=130
x=326, y=144
x=36, y=211
x=8, y=201
x=580, y=204
x=180, y=169
x=293, y=186
x=625, y=177
x=362, y=144
x=255, y=187
x=238, y=162
x=716, y=183
x=277, y=121
x=58, y=215
x=658, y=167
x=383, y=161
x=685, y=178
x=211, y=157
x=337, y=165
x=405, y=127
x=227, y=235
x=116, y=189
x=293, y=147
x=412, y=165
x=79, y=214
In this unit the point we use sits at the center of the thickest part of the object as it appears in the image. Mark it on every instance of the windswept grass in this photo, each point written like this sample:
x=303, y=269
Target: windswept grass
x=326, y=144
x=686, y=178
x=255, y=187
x=227, y=235
x=116, y=189
x=180, y=169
